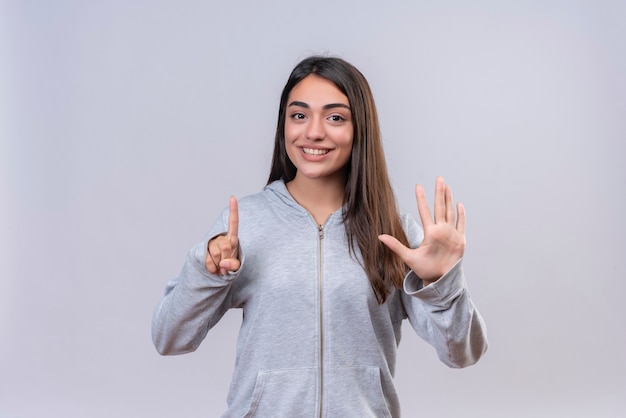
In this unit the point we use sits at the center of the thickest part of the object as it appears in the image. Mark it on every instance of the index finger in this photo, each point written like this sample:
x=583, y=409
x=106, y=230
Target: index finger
x=233, y=218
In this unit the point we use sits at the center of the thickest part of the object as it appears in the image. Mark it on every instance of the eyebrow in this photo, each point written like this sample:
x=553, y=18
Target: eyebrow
x=325, y=107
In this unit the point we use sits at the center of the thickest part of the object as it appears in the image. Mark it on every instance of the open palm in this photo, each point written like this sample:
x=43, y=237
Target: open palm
x=444, y=235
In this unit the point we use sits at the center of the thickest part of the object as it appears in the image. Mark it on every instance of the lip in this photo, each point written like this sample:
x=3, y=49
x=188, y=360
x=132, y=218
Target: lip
x=314, y=158
x=315, y=151
x=314, y=154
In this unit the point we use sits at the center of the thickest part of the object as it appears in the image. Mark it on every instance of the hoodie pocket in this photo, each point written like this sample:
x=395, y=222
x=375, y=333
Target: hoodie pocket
x=284, y=393
x=355, y=391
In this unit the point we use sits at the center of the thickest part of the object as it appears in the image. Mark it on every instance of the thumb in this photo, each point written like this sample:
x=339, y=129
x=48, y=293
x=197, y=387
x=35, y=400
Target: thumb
x=230, y=264
x=394, y=245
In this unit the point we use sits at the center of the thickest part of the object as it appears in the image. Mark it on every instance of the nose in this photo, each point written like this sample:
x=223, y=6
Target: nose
x=315, y=129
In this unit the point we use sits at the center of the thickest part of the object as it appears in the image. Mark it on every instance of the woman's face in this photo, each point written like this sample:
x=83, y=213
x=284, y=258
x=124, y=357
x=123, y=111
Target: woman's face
x=318, y=129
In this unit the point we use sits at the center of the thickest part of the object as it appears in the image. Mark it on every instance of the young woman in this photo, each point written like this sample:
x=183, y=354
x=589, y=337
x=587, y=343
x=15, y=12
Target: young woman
x=323, y=266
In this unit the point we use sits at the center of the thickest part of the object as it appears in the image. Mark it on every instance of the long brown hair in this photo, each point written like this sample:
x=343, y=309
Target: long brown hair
x=369, y=203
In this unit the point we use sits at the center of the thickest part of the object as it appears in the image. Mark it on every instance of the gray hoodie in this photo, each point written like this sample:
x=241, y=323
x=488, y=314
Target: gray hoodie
x=314, y=341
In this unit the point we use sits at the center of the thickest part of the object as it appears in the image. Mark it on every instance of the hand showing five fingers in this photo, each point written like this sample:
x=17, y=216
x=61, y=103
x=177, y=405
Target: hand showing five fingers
x=223, y=251
x=444, y=237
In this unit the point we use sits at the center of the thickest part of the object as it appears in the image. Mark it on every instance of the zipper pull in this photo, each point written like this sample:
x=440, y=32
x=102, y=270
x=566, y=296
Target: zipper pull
x=321, y=231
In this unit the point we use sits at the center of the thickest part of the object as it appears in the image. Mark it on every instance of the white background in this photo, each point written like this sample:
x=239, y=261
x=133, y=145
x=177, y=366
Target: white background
x=125, y=126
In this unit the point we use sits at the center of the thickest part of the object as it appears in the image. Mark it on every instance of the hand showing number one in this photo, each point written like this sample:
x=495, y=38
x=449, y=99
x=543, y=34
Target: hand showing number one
x=223, y=251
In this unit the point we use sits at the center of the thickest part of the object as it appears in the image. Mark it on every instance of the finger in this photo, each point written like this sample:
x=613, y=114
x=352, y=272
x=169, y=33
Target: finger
x=394, y=245
x=226, y=250
x=422, y=206
x=440, y=200
x=460, y=219
x=233, y=220
x=213, y=258
x=226, y=253
x=230, y=264
x=449, y=206
x=210, y=265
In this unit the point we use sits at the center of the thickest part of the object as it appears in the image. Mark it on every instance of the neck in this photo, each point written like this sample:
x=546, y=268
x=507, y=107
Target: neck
x=321, y=197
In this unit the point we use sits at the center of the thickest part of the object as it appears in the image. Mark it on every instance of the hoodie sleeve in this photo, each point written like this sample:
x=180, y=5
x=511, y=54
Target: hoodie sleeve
x=443, y=313
x=194, y=301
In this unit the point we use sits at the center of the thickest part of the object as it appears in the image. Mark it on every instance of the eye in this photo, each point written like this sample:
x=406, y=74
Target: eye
x=336, y=118
x=298, y=116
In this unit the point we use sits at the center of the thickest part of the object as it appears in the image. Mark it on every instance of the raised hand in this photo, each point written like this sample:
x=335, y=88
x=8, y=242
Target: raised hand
x=444, y=237
x=223, y=251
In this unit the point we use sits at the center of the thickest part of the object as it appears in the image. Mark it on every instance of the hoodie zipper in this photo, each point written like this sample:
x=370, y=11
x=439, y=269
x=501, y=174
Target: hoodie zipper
x=321, y=306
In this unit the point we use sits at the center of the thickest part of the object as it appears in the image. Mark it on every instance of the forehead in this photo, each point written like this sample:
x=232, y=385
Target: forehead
x=316, y=90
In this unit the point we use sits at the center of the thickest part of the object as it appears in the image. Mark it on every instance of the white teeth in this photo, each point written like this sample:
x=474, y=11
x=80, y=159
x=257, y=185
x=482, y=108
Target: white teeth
x=315, y=151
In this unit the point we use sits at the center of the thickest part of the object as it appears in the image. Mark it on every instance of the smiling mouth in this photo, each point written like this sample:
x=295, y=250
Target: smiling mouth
x=315, y=151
